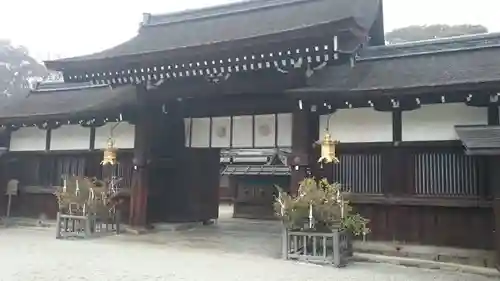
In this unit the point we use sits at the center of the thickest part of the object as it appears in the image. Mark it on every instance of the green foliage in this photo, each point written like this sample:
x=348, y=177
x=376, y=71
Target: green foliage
x=329, y=210
x=17, y=69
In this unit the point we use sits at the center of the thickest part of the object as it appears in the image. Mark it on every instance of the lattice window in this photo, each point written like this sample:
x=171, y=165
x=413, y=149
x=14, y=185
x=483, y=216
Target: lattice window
x=359, y=173
x=446, y=174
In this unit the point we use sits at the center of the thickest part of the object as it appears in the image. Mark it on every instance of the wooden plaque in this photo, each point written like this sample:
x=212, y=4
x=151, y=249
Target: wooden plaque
x=12, y=187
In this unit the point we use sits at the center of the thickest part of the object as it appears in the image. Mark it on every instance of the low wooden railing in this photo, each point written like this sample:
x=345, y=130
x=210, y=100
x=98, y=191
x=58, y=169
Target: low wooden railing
x=86, y=225
x=419, y=200
x=328, y=248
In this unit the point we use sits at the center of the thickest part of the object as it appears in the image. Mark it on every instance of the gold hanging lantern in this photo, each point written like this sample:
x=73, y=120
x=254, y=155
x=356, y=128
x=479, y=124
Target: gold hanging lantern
x=328, y=153
x=109, y=153
x=109, y=157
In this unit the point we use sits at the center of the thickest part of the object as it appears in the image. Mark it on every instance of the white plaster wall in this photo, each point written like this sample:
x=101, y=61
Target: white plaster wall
x=358, y=125
x=436, y=122
x=265, y=130
x=123, y=134
x=28, y=139
x=284, y=130
x=221, y=132
x=242, y=131
x=70, y=137
x=197, y=131
x=200, y=134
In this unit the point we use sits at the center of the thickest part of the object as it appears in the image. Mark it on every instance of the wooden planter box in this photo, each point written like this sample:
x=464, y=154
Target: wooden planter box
x=327, y=248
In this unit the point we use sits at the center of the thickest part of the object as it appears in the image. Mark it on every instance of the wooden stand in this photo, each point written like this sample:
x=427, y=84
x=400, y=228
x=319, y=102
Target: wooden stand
x=327, y=248
x=85, y=226
x=9, y=203
x=73, y=226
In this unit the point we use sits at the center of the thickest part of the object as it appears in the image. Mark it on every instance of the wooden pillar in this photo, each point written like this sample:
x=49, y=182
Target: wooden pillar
x=140, y=184
x=168, y=195
x=5, y=169
x=305, y=131
x=493, y=164
x=396, y=170
x=494, y=185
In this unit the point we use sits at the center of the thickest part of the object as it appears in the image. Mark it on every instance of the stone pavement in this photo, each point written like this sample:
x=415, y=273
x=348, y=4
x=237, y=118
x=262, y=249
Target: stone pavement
x=34, y=254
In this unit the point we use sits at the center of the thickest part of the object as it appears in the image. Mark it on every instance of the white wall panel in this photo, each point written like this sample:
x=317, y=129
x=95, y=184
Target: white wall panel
x=123, y=134
x=70, y=137
x=221, y=132
x=265, y=130
x=437, y=122
x=200, y=132
x=358, y=125
x=28, y=139
x=242, y=131
x=284, y=130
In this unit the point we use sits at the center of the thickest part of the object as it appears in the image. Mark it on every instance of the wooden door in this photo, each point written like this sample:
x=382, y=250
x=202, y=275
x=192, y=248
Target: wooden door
x=202, y=181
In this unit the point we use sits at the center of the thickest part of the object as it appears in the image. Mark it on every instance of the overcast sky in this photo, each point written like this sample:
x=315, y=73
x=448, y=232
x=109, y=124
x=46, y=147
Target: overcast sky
x=70, y=28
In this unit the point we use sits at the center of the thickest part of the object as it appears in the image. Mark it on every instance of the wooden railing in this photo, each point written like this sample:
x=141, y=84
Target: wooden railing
x=329, y=248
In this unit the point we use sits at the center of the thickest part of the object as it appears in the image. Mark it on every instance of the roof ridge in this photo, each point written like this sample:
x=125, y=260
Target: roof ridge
x=427, y=53
x=214, y=11
x=459, y=38
x=63, y=86
x=431, y=47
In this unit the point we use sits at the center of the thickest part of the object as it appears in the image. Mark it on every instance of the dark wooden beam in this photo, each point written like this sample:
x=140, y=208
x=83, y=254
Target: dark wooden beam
x=92, y=138
x=397, y=126
x=419, y=201
x=257, y=84
x=253, y=131
x=493, y=115
x=493, y=164
x=48, y=136
x=494, y=178
x=5, y=135
x=434, y=92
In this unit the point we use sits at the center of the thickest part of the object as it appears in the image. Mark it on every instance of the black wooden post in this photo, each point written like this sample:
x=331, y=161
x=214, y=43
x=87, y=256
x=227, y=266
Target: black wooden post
x=140, y=186
x=305, y=131
x=493, y=162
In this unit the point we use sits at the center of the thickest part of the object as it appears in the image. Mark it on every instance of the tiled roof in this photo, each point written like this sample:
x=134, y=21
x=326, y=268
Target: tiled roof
x=59, y=100
x=240, y=21
x=480, y=139
x=254, y=170
x=434, y=63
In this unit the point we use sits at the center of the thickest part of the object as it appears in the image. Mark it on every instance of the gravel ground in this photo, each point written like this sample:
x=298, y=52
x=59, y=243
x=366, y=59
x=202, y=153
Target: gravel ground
x=29, y=254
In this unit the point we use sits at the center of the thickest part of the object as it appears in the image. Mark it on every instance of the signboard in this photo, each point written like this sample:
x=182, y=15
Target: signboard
x=12, y=187
x=11, y=190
